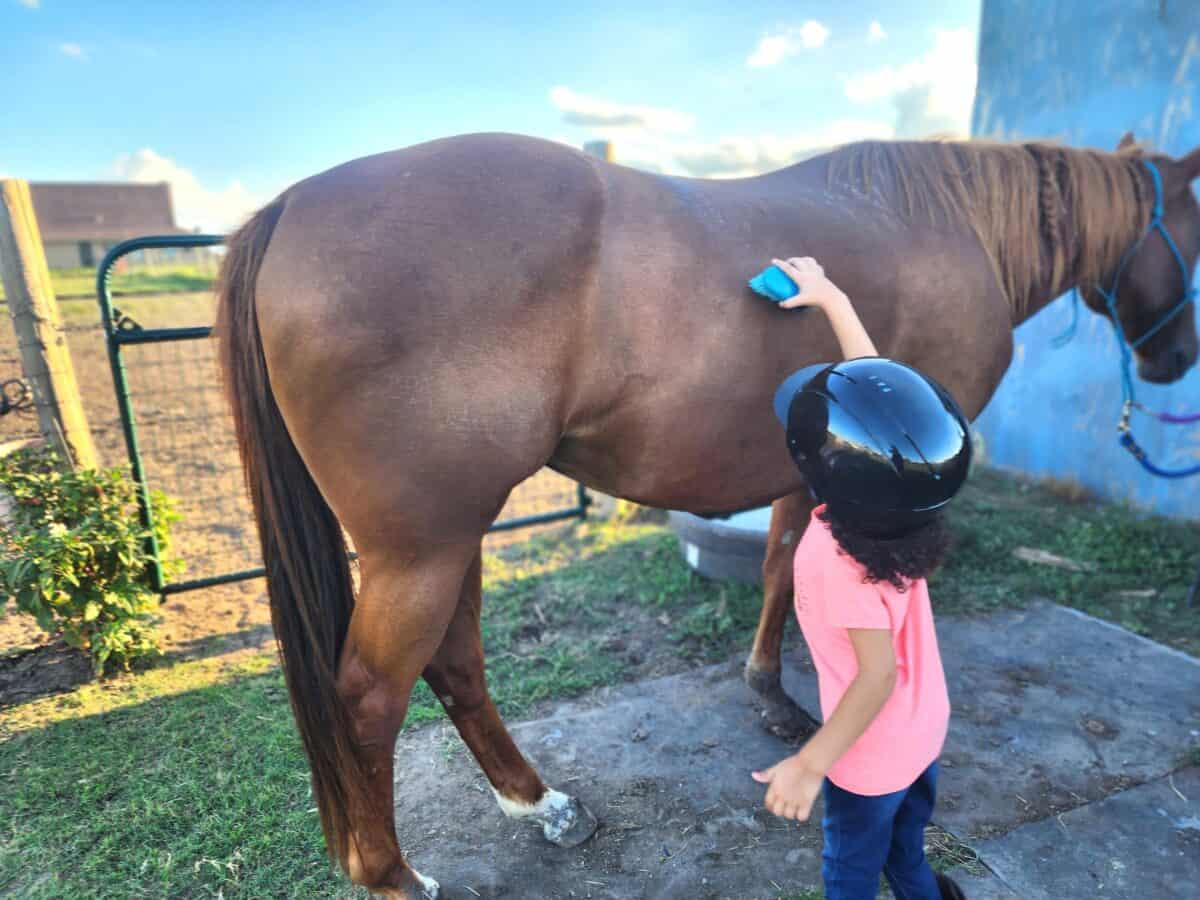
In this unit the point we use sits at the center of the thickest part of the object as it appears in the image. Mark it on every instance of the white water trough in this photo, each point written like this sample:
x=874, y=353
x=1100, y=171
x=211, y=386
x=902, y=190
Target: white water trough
x=728, y=548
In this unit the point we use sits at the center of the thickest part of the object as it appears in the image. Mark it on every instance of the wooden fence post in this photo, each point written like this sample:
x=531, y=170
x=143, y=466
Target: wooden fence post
x=40, y=336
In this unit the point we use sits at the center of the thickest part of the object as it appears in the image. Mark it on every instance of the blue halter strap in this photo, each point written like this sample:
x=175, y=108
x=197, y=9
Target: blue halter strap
x=1126, y=347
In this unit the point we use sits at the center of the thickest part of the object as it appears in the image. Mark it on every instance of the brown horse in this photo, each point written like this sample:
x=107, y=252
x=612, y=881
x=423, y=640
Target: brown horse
x=408, y=336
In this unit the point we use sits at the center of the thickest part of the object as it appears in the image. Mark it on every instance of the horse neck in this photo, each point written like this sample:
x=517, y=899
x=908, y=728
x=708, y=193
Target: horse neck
x=1047, y=289
x=1085, y=247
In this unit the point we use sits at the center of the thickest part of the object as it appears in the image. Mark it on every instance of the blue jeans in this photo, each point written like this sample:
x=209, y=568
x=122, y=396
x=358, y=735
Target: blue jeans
x=867, y=836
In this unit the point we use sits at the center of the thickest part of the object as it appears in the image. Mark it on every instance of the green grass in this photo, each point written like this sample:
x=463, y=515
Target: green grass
x=179, y=783
x=1132, y=554
x=945, y=852
x=82, y=282
x=164, y=310
x=189, y=781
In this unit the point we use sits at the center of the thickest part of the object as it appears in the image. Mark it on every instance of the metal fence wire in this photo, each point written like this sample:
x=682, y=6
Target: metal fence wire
x=18, y=404
x=159, y=408
x=188, y=451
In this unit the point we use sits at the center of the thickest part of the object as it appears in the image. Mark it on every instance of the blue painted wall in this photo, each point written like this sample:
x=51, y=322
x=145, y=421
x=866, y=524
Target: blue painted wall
x=1084, y=72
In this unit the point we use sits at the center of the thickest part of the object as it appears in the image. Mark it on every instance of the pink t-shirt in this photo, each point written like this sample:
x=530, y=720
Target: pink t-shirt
x=832, y=597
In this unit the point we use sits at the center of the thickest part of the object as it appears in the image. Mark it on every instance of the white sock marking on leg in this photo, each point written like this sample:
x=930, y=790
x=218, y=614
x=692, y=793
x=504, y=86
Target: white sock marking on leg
x=552, y=802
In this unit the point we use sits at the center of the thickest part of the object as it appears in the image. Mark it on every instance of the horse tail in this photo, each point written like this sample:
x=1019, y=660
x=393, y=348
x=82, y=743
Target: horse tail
x=303, y=548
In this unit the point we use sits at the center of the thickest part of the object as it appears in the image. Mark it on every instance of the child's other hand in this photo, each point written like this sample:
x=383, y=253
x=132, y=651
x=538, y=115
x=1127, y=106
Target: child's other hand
x=793, y=786
x=815, y=288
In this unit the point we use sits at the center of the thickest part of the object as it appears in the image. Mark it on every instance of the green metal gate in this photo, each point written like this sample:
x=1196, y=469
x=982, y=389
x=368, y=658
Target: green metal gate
x=180, y=439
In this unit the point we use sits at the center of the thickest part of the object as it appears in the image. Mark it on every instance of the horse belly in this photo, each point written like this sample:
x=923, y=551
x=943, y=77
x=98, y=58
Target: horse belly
x=681, y=417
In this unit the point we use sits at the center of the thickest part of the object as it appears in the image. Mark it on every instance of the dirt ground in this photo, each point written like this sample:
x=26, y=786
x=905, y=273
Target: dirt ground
x=189, y=453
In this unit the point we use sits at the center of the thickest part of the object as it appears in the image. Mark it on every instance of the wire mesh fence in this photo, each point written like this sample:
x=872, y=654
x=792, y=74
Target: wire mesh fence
x=19, y=420
x=185, y=433
x=189, y=452
x=20, y=415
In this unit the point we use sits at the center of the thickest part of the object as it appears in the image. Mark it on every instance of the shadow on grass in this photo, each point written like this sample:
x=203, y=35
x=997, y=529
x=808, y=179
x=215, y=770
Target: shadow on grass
x=190, y=781
x=196, y=793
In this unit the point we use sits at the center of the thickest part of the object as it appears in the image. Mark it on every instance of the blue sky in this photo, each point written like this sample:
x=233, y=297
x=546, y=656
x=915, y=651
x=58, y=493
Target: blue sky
x=231, y=102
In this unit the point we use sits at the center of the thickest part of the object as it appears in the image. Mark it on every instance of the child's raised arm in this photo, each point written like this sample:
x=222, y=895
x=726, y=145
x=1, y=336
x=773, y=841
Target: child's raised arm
x=817, y=290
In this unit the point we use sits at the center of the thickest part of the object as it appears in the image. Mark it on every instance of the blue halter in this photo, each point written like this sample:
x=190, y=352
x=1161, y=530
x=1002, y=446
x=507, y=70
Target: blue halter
x=1127, y=347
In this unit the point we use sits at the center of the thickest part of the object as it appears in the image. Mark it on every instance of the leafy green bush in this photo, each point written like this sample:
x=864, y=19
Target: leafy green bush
x=74, y=555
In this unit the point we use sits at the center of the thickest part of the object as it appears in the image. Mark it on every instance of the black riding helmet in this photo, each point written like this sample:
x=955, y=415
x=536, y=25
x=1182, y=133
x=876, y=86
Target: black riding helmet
x=884, y=446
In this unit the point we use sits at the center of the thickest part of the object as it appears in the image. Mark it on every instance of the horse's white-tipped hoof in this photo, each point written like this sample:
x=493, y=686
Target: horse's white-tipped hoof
x=430, y=889
x=414, y=886
x=574, y=825
x=564, y=820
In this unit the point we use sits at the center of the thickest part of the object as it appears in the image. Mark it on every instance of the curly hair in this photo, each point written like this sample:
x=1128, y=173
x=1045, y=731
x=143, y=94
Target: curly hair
x=896, y=560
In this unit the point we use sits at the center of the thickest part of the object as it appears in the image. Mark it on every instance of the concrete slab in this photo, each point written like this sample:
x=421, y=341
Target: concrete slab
x=1142, y=843
x=986, y=887
x=665, y=767
x=1051, y=709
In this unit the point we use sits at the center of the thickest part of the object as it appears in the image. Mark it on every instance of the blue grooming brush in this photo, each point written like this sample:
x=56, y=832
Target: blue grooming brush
x=773, y=284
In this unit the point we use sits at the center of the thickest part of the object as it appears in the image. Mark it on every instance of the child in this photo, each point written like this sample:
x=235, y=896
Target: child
x=884, y=449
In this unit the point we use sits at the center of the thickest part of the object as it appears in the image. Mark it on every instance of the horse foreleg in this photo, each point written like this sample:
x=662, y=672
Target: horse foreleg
x=456, y=676
x=781, y=714
x=399, y=620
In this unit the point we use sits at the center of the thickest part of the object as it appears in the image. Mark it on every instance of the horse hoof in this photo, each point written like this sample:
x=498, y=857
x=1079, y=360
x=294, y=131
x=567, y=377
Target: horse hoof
x=564, y=820
x=788, y=721
x=781, y=715
x=571, y=825
x=414, y=886
x=761, y=681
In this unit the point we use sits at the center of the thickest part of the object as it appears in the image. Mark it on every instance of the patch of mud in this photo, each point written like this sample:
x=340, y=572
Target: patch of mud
x=653, y=841
x=41, y=671
x=200, y=624
x=1020, y=677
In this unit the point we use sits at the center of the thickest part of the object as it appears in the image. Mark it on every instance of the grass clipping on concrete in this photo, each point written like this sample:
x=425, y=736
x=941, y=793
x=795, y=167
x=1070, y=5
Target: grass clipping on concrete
x=188, y=780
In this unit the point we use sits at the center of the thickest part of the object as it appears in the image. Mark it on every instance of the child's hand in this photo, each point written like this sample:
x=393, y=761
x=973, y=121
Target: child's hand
x=815, y=288
x=794, y=786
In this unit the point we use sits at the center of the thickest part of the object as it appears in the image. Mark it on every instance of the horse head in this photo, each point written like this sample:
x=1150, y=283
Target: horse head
x=1155, y=283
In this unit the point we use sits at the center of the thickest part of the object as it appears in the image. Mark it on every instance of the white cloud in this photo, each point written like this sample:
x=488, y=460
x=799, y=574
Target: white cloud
x=741, y=156
x=579, y=109
x=774, y=48
x=648, y=138
x=32, y=4
x=196, y=206
x=72, y=50
x=650, y=153
x=770, y=51
x=813, y=34
x=875, y=33
x=639, y=133
x=933, y=93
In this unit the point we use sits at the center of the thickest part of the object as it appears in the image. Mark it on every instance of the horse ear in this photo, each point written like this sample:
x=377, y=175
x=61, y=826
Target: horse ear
x=1189, y=166
x=1126, y=141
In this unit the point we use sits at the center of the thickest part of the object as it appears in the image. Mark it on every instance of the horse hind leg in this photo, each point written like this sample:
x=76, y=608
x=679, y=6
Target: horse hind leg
x=398, y=623
x=782, y=716
x=456, y=675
